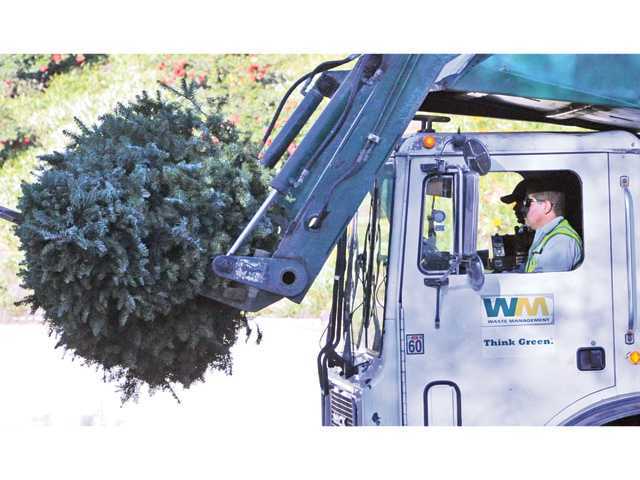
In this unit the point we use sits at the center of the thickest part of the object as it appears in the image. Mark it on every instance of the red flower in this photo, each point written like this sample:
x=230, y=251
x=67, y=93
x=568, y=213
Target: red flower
x=202, y=78
x=256, y=72
x=178, y=72
x=56, y=58
x=263, y=72
x=44, y=68
x=26, y=141
x=161, y=66
x=80, y=59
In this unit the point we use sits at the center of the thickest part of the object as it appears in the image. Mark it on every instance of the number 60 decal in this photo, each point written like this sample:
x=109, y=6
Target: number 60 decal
x=415, y=344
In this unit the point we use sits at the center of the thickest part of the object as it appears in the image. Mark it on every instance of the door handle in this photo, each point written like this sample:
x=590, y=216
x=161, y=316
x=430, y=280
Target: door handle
x=629, y=224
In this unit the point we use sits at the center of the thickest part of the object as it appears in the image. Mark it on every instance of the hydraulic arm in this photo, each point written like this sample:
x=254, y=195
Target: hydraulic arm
x=322, y=184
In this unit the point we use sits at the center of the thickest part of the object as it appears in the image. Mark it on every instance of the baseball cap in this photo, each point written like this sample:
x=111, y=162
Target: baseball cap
x=519, y=192
x=545, y=185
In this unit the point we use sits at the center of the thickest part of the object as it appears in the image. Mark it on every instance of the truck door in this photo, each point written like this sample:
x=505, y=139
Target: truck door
x=623, y=187
x=527, y=345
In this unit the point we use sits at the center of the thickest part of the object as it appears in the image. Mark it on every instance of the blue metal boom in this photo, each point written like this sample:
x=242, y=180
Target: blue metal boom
x=323, y=183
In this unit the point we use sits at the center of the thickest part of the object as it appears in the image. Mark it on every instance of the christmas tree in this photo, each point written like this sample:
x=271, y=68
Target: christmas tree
x=119, y=231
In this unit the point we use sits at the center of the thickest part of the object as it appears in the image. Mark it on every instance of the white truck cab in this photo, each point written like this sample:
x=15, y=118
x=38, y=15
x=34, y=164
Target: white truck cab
x=440, y=315
x=544, y=348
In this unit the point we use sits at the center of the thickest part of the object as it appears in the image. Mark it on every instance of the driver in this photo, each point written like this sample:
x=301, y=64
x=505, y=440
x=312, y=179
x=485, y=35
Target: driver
x=556, y=245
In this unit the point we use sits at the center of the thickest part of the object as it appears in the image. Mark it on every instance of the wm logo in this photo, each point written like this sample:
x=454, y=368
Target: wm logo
x=516, y=306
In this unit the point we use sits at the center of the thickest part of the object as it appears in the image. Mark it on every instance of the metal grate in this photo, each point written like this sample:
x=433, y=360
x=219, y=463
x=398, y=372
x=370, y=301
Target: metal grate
x=343, y=409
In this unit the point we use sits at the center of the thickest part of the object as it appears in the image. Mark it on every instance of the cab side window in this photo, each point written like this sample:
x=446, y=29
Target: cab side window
x=507, y=240
x=437, y=229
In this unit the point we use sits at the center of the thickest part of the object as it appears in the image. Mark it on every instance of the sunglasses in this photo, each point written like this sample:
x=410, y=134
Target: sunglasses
x=528, y=201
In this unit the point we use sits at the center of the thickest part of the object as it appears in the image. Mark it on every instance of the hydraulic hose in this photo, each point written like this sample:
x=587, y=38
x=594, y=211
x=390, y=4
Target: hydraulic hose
x=325, y=86
x=308, y=76
x=335, y=319
x=364, y=70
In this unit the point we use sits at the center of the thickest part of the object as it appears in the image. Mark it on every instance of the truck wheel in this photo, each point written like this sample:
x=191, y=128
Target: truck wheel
x=633, y=421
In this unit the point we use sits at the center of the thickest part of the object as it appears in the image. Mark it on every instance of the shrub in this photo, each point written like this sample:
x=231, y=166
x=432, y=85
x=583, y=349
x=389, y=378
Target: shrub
x=21, y=73
x=9, y=146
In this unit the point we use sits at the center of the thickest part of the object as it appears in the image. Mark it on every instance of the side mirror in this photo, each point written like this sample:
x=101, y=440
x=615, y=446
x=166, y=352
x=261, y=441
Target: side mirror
x=468, y=208
x=475, y=154
x=475, y=272
x=467, y=247
x=466, y=184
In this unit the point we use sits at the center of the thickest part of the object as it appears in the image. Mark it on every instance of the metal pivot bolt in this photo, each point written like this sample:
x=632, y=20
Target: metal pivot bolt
x=314, y=222
x=224, y=264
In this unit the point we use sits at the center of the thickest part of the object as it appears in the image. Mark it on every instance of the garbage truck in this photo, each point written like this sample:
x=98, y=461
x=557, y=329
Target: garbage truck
x=436, y=319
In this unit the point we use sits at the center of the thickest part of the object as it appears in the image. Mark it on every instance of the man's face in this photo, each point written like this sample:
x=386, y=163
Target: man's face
x=537, y=211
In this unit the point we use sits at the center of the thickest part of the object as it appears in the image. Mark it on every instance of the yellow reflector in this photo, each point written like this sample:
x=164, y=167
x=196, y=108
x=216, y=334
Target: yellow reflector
x=429, y=141
x=634, y=357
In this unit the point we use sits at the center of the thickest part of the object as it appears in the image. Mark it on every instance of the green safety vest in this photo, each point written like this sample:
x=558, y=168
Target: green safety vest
x=563, y=228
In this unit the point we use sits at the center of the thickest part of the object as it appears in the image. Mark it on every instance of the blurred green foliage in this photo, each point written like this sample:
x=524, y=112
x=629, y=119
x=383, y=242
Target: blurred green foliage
x=254, y=85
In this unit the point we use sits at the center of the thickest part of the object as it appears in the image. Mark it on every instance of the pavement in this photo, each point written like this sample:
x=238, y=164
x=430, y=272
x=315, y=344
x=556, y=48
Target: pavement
x=273, y=383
